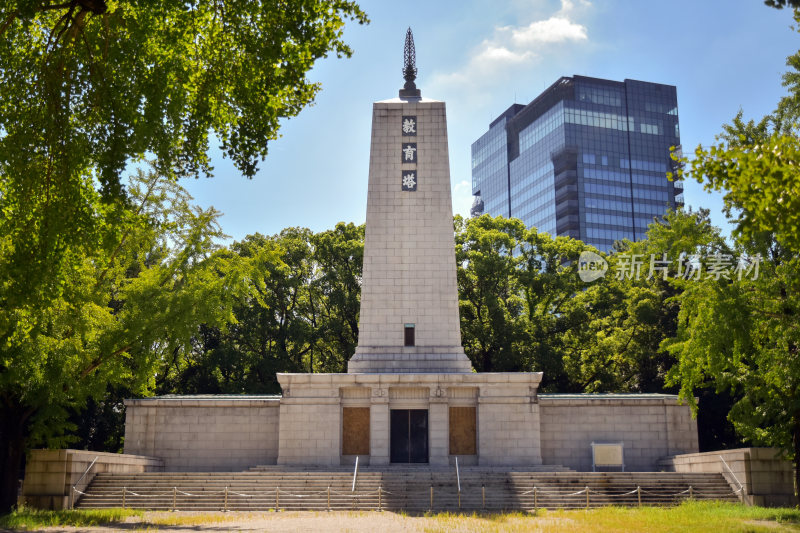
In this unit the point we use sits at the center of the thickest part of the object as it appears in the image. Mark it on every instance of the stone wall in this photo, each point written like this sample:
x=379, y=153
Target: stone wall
x=50, y=474
x=214, y=433
x=766, y=478
x=310, y=432
x=508, y=426
x=650, y=426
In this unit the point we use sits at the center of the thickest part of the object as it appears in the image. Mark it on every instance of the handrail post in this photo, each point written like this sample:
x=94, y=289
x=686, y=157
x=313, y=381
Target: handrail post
x=639, y=494
x=458, y=476
x=329, y=497
x=691, y=493
x=123, y=497
x=741, y=487
x=587, y=496
x=277, y=499
x=535, y=498
x=174, y=497
x=431, y=497
x=458, y=480
x=225, y=505
x=380, y=503
x=355, y=475
x=483, y=496
x=72, y=494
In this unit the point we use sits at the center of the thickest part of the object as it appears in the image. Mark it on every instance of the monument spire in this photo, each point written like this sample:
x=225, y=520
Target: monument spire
x=409, y=68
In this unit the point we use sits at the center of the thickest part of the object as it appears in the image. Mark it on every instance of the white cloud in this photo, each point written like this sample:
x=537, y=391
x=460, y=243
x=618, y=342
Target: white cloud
x=552, y=30
x=462, y=198
x=492, y=55
x=513, y=46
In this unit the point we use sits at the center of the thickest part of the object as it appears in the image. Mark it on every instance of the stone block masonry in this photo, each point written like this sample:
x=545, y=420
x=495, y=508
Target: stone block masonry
x=51, y=474
x=409, y=275
x=650, y=426
x=204, y=433
x=507, y=416
x=760, y=475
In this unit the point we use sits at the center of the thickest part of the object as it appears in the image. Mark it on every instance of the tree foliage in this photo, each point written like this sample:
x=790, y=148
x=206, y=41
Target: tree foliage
x=90, y=86
x=298, y=314
x=740, y=335
x=119, y=316
x=780, y=4
x=102, y=286
x=524, y=307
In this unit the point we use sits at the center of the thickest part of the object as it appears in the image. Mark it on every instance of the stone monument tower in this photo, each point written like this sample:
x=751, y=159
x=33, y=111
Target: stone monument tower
x=410, y=394
x=409, y=300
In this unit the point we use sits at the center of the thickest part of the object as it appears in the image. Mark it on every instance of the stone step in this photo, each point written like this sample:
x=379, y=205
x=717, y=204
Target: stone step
x=400, y=489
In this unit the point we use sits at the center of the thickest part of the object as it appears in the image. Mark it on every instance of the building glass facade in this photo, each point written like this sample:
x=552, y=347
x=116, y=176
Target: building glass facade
x=588, y=159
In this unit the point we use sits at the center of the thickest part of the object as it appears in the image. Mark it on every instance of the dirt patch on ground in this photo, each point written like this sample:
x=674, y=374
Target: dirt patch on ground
x=323, y=522
x=771, y=525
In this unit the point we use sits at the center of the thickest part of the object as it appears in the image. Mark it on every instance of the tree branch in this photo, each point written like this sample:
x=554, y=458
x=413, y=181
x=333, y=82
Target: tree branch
x=66, y=18
x=102, y=359
x=150, y=188
x=8, y=21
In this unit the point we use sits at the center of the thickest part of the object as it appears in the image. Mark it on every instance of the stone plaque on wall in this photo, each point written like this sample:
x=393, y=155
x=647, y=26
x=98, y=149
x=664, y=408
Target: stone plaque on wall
x=355, y=431
x=409, y=182
x=463, y=431
x=409, y=126
x=409, y=153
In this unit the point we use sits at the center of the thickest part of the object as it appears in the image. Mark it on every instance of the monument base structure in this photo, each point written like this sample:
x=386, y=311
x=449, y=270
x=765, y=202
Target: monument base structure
x=326, y=420
x=485, y=419
x=410, y=395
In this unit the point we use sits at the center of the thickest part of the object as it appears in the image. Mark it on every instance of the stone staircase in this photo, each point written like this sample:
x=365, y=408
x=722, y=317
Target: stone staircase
x=407, y=488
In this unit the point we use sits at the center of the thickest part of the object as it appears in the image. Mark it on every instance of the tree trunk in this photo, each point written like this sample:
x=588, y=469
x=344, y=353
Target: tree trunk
x=796, y=439
x=12, y=448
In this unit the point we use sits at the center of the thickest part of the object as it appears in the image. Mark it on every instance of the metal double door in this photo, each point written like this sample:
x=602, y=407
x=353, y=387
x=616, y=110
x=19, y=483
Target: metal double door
x=409, y=436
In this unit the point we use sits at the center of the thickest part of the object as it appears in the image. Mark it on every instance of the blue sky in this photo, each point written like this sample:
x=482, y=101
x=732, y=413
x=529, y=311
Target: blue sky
x=482, y=56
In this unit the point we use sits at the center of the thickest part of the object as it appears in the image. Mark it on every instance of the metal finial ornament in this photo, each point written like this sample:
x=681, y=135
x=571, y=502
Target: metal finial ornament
x=409, y=68
x=409, y=58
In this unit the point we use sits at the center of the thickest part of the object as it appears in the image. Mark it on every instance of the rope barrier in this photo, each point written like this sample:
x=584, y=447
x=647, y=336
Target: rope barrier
x=380, y=491
x=620, y=494
x=557, y=492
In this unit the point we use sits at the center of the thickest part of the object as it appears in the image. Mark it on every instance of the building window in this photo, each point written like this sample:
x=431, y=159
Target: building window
x=409, y=335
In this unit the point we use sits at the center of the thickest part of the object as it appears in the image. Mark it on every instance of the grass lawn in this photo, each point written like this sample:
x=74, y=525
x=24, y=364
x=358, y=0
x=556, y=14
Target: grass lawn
x=688, y=517
x=24, y=518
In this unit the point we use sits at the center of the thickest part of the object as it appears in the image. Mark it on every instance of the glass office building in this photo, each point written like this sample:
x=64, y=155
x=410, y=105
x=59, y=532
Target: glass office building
x=587, y=158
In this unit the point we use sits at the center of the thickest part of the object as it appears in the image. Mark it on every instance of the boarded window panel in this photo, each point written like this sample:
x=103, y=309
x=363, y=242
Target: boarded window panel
x=355, y=431
x=463, y=433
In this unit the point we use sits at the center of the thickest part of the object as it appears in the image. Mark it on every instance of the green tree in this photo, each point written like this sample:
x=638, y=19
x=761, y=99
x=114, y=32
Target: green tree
x=299, y=314
x=741, y=335
x=119, y=317
x=780, y=4
x=632, y=311
x=338, y=266
x=490, y=298
x=90, y=86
